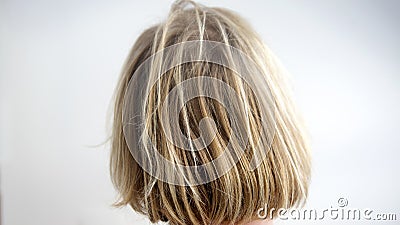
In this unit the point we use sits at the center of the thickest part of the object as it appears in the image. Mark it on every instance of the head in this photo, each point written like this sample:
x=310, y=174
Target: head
x=201, y=88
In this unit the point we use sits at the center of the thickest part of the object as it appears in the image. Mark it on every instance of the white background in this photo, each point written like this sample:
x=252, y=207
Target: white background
x=60, y=61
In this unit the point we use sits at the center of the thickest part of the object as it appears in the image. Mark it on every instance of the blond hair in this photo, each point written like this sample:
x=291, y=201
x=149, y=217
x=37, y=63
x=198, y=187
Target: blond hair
x=266, y=157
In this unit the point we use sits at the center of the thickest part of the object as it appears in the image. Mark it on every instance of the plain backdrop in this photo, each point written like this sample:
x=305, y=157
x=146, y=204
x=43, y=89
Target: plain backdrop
x=60, y=61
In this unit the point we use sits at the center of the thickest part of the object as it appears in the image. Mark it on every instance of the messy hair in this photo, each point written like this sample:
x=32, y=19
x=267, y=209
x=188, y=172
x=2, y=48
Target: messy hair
x=249, y=134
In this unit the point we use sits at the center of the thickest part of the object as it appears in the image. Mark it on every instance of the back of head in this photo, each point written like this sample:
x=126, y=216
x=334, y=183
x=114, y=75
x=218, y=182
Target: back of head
x=204, y=128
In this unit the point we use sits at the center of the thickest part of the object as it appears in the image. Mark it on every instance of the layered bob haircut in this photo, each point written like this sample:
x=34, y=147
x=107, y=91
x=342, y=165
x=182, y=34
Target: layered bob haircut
x=204, y=128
